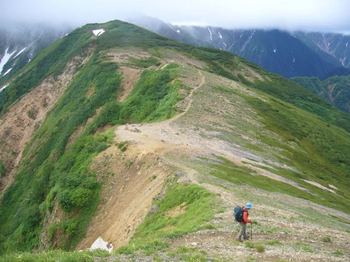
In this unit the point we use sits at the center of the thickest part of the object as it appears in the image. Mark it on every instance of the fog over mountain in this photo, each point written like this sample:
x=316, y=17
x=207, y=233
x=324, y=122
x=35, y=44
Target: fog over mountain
x=306, y=15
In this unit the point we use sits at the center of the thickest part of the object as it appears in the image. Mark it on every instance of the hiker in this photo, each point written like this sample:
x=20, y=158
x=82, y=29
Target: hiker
x=242, y=217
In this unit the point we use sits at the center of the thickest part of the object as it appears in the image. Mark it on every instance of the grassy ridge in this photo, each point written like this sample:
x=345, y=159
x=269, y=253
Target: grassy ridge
x=288, y=91
x=226, y=170
x=318, y=151
x=52, y=170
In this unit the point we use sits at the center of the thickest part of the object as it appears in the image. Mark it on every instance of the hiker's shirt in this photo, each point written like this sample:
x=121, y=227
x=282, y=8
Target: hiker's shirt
x=245, y=219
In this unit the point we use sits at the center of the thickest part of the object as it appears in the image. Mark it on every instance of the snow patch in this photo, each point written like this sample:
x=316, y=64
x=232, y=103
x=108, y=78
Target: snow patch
x=20, y=52
x=8, y=71
x=101, y=244
x=3, y=88
x=98, y=32
x=343, y=60
x=210, y=34
x=220, y=35
x=5, y=59
x=293, y=60
x=347, y=43
x=178, y=31
x=225, y=44
x=275, y=50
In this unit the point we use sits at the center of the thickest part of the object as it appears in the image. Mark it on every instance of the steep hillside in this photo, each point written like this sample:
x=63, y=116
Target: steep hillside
x=19, y=43
x=282, y=52
x=149, y=143
x=335, y=90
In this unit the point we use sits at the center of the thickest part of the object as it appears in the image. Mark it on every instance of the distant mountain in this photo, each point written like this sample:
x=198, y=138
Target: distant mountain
x=20, y=43
x=335, y=46
x=285, y=53
x=335, y=90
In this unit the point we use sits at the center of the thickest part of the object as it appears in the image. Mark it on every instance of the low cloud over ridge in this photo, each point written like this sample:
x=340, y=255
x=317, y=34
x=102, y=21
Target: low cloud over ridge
x=310, y=15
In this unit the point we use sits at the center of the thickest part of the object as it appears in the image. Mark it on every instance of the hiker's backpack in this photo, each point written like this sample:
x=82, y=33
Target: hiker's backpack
x=238, y=214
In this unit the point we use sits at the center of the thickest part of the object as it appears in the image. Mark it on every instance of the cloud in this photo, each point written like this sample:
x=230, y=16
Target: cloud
x=321, y=15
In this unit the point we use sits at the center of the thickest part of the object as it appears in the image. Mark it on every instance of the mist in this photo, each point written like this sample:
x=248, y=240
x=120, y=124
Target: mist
x=306, y=15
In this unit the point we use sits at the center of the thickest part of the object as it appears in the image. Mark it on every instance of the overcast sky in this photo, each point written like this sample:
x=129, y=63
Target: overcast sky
x=318, y=15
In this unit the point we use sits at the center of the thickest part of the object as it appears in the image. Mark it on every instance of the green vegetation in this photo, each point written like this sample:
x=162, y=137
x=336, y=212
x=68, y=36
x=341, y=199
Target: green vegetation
x=184, y=209
x=318, y=150
x=327, y=239
x=145, y=62
x=153, y=99
x=257, y=246
x=57, y=255
x=335, y=90
x=288, y=91
x=59, y=172
x=226, y=170
x=274, y=242
x=2, y=169
x=304, y=247
x=189, y=255
x=59, y=165
x=123, y=146
x=338, y=253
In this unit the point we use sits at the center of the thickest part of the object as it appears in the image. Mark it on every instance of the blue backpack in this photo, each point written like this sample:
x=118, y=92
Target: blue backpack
x=238, y=213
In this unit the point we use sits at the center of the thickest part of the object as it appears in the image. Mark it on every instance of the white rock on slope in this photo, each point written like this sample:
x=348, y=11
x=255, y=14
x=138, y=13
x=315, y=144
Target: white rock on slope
x=99, y=243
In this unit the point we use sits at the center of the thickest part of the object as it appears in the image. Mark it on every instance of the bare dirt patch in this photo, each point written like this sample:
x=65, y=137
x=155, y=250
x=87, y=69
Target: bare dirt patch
x=25, y=116
x=131, y=182
x=130, y=77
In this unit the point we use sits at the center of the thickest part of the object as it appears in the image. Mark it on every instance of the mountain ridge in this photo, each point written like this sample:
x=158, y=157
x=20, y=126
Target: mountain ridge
x=197, y=130
x=286, y=53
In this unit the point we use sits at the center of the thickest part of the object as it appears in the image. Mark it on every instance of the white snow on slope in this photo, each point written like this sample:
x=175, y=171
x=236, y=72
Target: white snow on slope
x=3, y=88
x=347, y=43
x=98, y=32
x=5, y=59
x=20, y=52
x=8, y=71
x=220, y=35
x=274, y=50
x=178, y=31
x=210, y=34
x=342, y=60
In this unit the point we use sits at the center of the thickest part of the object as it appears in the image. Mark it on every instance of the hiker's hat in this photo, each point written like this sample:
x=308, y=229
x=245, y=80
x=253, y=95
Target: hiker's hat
x=249, y=205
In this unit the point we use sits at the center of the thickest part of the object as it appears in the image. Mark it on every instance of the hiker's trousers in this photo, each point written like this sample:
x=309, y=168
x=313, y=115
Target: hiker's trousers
x=243, y=232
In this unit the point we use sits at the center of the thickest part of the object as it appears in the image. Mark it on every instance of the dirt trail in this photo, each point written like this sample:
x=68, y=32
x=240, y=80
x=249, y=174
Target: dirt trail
x=156, y=150
x=172, y=137
x=173, y=141
x=188, y=98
